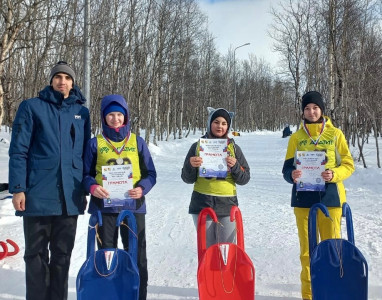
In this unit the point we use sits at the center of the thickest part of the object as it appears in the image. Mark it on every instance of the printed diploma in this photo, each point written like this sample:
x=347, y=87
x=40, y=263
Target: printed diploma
x=118, y=180
x=214, y=154
x=312, y=164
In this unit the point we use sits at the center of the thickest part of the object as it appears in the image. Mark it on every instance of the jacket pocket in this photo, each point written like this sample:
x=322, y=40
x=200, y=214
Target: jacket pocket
x=43, y=163
x=77, y=163
x=42, y=174
x=77, y=135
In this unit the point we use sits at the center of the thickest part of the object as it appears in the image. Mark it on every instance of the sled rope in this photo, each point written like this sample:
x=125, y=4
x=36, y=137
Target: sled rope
x=97, y=235
x=220, y=262
x=124, y=224
x=106, y=275
x=339, y=250
x=100, y=241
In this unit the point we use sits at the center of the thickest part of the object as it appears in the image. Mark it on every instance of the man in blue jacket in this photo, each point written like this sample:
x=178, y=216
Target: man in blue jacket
x=49, y=134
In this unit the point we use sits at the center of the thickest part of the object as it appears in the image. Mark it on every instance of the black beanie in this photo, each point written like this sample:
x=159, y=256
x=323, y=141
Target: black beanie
x=221, y=113
x=313, y=97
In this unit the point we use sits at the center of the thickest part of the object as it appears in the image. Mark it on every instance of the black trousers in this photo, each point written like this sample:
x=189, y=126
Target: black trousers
x=49, y=242
x=108, y=235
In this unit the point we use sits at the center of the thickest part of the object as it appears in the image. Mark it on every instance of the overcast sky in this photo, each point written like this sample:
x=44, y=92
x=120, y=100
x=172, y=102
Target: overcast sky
x=236, y=22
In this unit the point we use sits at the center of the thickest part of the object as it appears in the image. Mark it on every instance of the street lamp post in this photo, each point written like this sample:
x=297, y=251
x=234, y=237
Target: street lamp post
x=234, y=84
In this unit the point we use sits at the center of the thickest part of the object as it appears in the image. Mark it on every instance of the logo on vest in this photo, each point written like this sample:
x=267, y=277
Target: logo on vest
x=104, y=150
x=130, y=149
x=321, y=142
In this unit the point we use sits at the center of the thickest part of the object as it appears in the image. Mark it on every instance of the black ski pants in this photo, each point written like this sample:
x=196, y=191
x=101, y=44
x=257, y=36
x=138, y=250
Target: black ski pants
x=108, y=235
x=49, y=242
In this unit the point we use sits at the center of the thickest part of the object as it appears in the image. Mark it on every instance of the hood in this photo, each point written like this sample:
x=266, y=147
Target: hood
x=212, y=112
x=115, y=134
x=48, y=94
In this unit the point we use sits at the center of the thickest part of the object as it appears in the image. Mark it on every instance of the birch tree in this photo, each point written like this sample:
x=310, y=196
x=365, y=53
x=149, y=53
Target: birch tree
x=15, y=15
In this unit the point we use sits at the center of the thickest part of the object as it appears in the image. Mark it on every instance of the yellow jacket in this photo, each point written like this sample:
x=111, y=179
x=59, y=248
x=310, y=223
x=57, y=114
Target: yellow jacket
x=339, y=160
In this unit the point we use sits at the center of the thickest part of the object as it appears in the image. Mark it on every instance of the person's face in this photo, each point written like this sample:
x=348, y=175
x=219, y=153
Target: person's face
x=115, y=119
x=63, y=83
x=219, y=127
x=312, y=112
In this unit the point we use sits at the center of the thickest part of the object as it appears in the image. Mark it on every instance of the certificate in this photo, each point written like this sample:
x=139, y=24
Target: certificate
x=118, y=180
x=214, y=154
x=312, y=164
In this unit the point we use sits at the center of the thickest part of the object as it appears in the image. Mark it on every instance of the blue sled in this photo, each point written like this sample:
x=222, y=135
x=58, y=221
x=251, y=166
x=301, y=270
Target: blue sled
x=109, y=273
x=338, y=269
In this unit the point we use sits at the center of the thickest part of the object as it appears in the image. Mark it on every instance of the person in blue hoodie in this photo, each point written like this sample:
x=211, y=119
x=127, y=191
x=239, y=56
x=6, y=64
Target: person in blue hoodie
x=49, y=135
x=117, y=145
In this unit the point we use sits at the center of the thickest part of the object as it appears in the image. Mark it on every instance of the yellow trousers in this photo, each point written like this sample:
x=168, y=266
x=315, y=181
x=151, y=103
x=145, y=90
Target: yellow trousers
x=327, y=228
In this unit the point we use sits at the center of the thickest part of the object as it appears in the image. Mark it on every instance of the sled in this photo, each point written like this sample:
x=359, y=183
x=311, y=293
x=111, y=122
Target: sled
x=225, y=271
x=338, y=269
x=109, y=273
x=6, y=251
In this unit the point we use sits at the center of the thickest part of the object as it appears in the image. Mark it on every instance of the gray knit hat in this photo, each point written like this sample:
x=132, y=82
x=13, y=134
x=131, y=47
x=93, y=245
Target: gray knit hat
x=62, y=67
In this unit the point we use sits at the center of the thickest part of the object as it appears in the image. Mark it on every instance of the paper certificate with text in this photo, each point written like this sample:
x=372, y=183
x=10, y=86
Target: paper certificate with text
x=312, y=164
x=117, y=179
x=214, y=154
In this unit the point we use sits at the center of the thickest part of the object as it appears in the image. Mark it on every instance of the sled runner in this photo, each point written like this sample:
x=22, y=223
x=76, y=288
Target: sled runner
x=6, y=251
x=338, y=269
x=225, y=271
x=109, y=273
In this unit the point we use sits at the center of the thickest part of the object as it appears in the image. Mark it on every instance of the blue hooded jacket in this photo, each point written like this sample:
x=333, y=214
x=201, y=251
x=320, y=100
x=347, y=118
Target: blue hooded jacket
x=146, y=164
x=49, y=135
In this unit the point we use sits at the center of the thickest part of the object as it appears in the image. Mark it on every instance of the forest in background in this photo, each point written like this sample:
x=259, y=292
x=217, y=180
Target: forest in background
x=161, y=57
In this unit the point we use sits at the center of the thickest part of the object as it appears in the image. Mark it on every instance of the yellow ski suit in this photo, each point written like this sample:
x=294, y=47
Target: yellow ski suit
x=340, y=161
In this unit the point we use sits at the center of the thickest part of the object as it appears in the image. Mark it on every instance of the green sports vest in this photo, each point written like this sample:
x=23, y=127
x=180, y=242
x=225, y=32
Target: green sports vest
x=107, y=156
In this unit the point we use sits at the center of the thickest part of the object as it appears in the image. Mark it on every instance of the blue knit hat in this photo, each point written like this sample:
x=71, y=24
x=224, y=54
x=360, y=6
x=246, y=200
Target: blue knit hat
x=114, y=107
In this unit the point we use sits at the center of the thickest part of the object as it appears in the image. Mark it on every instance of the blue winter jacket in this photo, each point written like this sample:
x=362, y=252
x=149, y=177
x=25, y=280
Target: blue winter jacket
x=146, y=164
x=49, y=135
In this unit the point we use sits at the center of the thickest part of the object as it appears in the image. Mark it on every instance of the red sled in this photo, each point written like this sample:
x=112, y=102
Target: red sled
x=225, y=271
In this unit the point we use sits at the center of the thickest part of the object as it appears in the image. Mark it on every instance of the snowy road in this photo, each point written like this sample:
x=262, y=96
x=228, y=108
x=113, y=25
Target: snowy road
x=269, y=228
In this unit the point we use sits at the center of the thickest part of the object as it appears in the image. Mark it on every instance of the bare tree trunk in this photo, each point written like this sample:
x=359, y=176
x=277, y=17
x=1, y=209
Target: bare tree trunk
x=361, y=142
x=332, y=80
x=12, y=28
x=181, y=104
x=376, y=143
x=156, y=120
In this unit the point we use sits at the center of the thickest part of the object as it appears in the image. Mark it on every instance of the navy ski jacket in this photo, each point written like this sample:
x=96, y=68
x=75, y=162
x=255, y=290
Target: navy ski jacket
x=49, y=135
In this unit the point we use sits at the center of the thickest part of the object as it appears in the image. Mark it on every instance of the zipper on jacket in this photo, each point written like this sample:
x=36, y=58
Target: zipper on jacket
x=73, y=134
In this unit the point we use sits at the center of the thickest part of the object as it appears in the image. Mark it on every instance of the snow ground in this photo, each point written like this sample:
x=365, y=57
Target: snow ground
x=269, y=227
